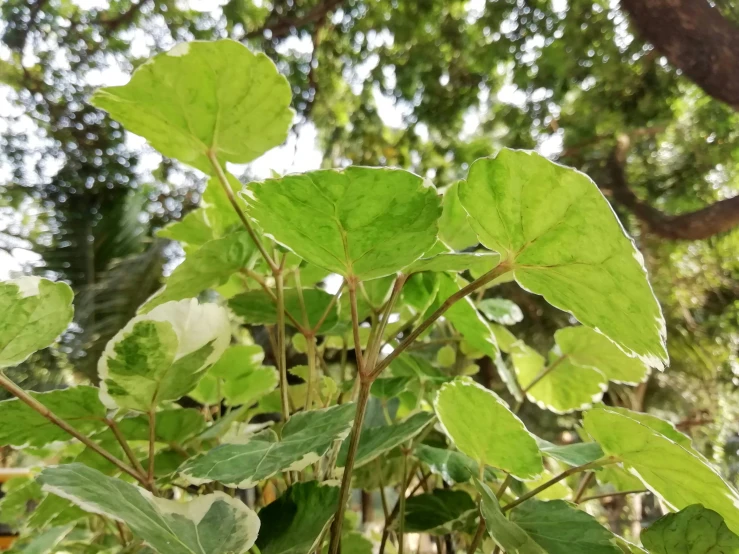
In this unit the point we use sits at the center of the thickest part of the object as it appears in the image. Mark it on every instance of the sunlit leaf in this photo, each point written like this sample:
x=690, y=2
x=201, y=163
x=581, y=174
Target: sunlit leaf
x=34, y=313
x=501, y=311
x=560, y=235
x=455, y=262
x=693, y=530
x=577, y=454
x=454, y=229
x=363, y=222
x=494, y=436
x=204, y=96
x=210, y=524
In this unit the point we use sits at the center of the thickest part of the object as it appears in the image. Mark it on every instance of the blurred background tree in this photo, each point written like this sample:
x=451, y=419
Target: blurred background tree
x=643, y=97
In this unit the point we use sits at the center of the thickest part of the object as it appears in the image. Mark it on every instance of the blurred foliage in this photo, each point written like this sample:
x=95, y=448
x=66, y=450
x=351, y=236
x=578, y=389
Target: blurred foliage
x=429, y=85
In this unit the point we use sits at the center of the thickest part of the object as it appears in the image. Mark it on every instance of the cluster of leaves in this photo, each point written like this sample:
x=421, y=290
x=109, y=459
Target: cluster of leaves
x=170, y=479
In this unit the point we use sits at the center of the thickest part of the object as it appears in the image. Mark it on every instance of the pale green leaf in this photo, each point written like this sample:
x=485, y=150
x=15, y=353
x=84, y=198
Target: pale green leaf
x=18, y=493
x=618, y=479
x=375, y=441
x=660, y=425
x=566, y=388
x=675, y=473
x=204, y=96
x=446, y=356
x=208, y=267
x=305, y=438
x=43, y=543
x=293, y=523
x=258, y=308
x=209, y=524
x=577, y=454
x=79, y=406
x=454, y=229
x=481, y=262
x=586, y=347
x=361, y=222
x=453, y=466
x=35, y=312
x=693, y=530
x=439, y=512
x=506, y=534
x=560, y=528
x=494, y=436
x=563, y=240
x=419, y=291
x=501, y=311
x=503, y=337
x=162, y=355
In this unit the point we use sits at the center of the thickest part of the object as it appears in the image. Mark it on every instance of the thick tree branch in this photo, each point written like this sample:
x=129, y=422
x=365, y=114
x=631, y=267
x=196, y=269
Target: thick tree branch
x=695, y=38
x=280, y=26
x=714, y=219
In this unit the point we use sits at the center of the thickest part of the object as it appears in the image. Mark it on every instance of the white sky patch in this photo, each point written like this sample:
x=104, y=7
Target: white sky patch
x=333, y=282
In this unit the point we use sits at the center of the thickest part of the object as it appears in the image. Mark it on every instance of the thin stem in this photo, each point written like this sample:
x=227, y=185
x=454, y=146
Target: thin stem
x=355, y=325
x=543, y=373
x=504, y=486
x=478, y=536
x=312, y=377
x=281, y=354
x=556, y=479
x=383, y=498
x=401, y=514
x=610, y=494
x=37, y=406
x=376, y=344
x=328, y=309
x=232, y=199
x=346, y=480
x=258, y=278
x=152, y=440
x=126, y=447
x=583, y=486
x=491, y=275
x=121, y=532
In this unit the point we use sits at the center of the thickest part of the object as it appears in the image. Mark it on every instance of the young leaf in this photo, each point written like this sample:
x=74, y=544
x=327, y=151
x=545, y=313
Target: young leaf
x=293, y=523
x=454, y=229
x=35, y=312
x=204, y=96
x=501, y=311
x=453, y=466
x=494, y=436
x=439, y=513
x=577, y=454
x=556, y=229
x=209, y=524
x=361, y=222
x=305, y=438
x=79, y=406
x=162, y=355
x=693, y=530
x=506, y=534
x=257, y=308
x=675, y=473
x=208, y=267
x=566, y=388
x=560, y=528
x=375, y=441
x=588, y=348
x=481, y=262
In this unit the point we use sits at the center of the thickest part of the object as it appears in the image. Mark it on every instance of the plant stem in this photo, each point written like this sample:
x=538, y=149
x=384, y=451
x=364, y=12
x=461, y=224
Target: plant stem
x=126, y=447
x=258, y=278
x=556, y=479
x=232, y=199
x=312, y=377
x=376, y=344
x=610, y=494
x=37, y=406
x=346, y=480
x=152, y=439
x=328, y=308
x=582, y=487
x=355, y=325
x=478, y=536
x=401, y=513
x=543, y=373
x=281, y=355
x=491, y=275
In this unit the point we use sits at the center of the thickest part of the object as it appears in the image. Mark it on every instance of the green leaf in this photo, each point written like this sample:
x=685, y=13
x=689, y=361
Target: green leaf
x=389, y=387
x=293, y=523
x=203, y=96
x=208, y=267
x=660, y=425
x=54, y=511
x=481, y=262
x=375, y=441
x=452, y=466
x=446, y=356
x=79, y=406
x=35, y=312
x=506, y=534
x=465, y=317
x=439, y=513
x=501, y=311
x=43, y=543
x=693, y=530
x=566, y=388
x=494, y=436
x=454, y=229
x=588, y=348
x=361, y=222
x=162, y=355
x=172, y=425
x=676, y=474
x=560, y=528
x=419, y=291
x=577, y=454
x=18, y=493
x=560, y=235
x=305, y=438
x=209, y=524
x=258, y=308
x=503, y=337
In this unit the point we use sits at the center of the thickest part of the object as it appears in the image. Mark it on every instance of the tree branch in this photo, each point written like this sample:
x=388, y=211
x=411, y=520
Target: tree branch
x=695, y=38
x=280, y=27
x=714, y=219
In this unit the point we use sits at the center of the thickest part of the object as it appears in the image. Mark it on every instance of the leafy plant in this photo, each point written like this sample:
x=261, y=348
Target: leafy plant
x=365, y=410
